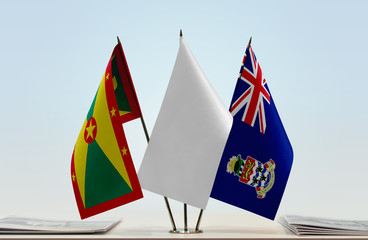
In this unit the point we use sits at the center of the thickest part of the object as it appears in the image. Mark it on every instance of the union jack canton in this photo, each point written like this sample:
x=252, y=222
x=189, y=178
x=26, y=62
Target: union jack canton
x=251, y=74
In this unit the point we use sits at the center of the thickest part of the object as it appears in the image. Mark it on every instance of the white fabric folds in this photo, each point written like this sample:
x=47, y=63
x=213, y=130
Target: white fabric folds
x=188, y=138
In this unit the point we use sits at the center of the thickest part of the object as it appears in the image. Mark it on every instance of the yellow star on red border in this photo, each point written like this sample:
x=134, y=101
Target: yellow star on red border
x=113, y=112
x=124, y=151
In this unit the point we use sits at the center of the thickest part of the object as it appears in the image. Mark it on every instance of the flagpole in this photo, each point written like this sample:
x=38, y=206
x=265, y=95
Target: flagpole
x=185, y=205
x=170, y=213
x=201, y=212
x=144, y=128
x=165, y=198
x=147, y=138
x=185, y=218
x=250, y=41
x=199, y=220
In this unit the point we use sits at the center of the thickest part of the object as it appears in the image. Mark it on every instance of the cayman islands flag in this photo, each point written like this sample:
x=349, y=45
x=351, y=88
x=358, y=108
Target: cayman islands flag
x=102, y=170
x=258, y=156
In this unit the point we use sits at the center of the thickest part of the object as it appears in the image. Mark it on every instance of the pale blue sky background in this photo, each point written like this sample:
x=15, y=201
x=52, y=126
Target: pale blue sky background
x=312, y=53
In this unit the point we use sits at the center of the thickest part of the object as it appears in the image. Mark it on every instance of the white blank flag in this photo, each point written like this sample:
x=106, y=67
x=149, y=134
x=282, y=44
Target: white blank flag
x=188, y=138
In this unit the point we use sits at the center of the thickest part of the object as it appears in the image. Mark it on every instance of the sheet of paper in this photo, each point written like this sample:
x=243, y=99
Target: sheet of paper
x=301, y=225
x=35, y=225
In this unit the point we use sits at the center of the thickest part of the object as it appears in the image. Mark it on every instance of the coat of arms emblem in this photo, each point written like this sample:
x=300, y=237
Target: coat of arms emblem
x=253, y=173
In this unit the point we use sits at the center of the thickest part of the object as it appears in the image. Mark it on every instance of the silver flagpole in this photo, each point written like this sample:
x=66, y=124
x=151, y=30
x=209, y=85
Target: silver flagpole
x=170, y=213
x=201, y=212
x=185, y=218
x=185, y=205
x=165, y=198
x=199, y=220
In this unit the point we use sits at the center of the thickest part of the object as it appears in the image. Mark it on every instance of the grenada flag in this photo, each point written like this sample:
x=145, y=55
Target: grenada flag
x=102, y=170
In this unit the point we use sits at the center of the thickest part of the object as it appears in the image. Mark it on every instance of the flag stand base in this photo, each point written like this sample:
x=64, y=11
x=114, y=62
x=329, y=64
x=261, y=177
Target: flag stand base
x=182, y=231
x=186, y=230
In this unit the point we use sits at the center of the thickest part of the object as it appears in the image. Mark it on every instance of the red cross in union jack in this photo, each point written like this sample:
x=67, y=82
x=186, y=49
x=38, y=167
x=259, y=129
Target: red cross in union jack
x=254, y=94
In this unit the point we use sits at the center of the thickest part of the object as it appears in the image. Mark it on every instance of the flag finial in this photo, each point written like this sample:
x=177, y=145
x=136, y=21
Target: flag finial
x=118, y=39
x=181, y=33
x=250, y=41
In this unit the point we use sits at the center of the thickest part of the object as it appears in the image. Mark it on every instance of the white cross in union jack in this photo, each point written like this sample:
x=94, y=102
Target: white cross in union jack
x=254, y=94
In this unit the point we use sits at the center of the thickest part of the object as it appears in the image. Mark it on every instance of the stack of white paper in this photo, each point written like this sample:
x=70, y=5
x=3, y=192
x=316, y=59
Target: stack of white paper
x=43, y=226
x=322, y=226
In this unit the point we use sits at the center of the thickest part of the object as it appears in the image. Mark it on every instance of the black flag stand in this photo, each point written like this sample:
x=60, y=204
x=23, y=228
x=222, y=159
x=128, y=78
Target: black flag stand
x=165, y=198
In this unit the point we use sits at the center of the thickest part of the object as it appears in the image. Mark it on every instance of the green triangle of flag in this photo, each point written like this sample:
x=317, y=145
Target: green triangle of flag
x=120, y=94
x=103, y=182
